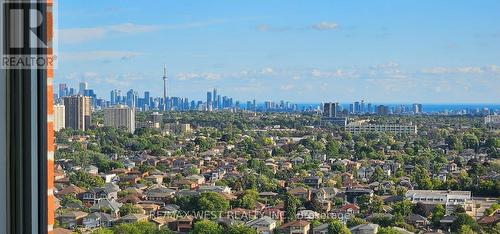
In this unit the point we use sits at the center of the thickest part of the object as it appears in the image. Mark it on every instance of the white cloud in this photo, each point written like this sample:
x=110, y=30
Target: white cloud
x=469, y=70
x=269, y=28
x=80, y=35
x=267, y=71
x=99, y=55
x=452, y=70
x=321, y=26
x=338, y=73
x=287, y=87
x=493, y=69
x=194, y=76
x=133, y=28
x=325, y=26
x=125, y=80
x=435, y=70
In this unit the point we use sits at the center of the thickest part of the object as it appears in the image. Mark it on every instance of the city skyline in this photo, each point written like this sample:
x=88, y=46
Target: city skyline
x=329, y=50
x=216, y=100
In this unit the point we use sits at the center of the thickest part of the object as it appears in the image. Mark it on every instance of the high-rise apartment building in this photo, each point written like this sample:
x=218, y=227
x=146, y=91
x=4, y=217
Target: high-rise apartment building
x=78, y=112
x=63, y=90
x=82, y=87
x=417, y=108
x=59, y=117
x=147, y=98
x=382, y=110
x=209, y=97
x=357, y=107
x=330, y=114
x=215, y=103
x=330, y=109
x=120, y=116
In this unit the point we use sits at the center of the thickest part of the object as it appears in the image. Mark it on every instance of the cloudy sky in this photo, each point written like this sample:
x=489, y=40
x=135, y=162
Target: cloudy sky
x=423, y=51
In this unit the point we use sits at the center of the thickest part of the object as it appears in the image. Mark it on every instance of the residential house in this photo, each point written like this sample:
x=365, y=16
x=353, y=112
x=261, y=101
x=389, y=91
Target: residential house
x=158, y=193
x=72, y=219
x=155, y=179
x=95, y=194
x=352, y=194
x=216, y=189
x=133, y=218
x=321, y=229
x=417, y=220
x=263, y=225
x=296, y=227
x=327, y=193
x=345, y=212
x=98, y=219
x=365, y=173
x=93, y=170
x=109, y=206
x=313, y=181
x=368, y=228
x=198, y=179
x=70, y=190
x=301, y=193
x=183, y=224
x=307, y=215
x=184, y=184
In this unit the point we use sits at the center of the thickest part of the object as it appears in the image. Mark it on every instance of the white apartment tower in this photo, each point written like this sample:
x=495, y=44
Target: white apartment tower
x=59, y=117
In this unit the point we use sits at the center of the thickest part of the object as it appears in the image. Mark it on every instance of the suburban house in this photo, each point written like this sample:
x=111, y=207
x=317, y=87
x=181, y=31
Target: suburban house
x=263, y=225
x=98, y=219
x=296, y=227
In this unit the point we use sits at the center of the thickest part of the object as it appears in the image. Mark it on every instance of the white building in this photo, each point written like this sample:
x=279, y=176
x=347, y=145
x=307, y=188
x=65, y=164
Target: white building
x=397, y=129
x=449, y=199
x=492, y=120
x=59, y=117
x=120, y=116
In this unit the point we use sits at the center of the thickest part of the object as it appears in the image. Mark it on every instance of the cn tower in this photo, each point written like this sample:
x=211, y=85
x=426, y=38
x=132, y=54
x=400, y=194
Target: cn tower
x=165, y=87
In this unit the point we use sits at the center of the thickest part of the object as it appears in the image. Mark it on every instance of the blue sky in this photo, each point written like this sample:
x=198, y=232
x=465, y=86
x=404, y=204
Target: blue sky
x=423, y=51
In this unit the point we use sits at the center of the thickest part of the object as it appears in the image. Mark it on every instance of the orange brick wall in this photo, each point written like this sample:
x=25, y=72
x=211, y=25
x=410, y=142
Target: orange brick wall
x=50, y=128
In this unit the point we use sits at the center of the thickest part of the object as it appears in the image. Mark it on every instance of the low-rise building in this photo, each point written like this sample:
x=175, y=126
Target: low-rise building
x=397, y=129
x=450, y=199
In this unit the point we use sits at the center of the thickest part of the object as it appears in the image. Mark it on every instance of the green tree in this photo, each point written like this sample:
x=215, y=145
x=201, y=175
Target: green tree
x=129, y=209
x=142, y=227
x=248, y=199
x=213, y=202
x=465, y=229
x=470, y=141
x=337, y=227
x=85, y=180
x=207, y=227
x=291, y=204
x=355, y=221
x=388, y=230
x=70, y=199
x=332, y=148
x=422, y=178
x=454, y=142
x=403, y=208
x=378, y=175
x=437, y=214
x=419, y=209
x=464, y=219
x=377, y=205
x=364, y=202
x=103, y=231
x=241, y=229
